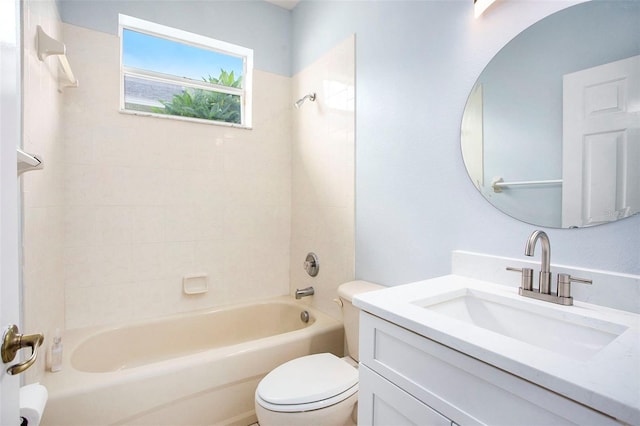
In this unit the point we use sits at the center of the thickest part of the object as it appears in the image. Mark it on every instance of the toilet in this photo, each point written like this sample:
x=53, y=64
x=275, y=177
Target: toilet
x=319, y=389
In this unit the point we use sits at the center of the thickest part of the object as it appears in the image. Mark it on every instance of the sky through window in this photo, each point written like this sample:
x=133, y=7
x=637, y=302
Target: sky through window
x=157, y=54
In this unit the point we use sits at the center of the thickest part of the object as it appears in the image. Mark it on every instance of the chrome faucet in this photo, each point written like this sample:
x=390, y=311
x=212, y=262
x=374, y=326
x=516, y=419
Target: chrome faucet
x=303, y=292
x=545, y=270
x=563, y=294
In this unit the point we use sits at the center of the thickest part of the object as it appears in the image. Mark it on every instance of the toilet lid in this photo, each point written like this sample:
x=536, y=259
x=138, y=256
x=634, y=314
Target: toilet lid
x=307, y=379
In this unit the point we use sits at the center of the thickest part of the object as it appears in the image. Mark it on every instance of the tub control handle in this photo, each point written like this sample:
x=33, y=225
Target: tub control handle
x=13, y=341
x=311, y=264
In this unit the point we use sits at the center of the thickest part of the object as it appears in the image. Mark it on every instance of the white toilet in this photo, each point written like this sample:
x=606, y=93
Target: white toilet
x=319, y=389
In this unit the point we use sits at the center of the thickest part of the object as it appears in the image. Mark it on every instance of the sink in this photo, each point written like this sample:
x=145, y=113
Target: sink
x=546, y=327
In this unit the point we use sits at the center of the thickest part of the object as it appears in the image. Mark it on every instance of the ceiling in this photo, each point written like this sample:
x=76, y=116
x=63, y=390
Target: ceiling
x=287, y=4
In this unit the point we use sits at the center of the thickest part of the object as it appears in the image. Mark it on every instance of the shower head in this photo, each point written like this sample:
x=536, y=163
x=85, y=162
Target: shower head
x=299, y=102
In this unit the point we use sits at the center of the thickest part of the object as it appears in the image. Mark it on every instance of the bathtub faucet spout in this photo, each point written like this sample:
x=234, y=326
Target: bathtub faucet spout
x=302, y=292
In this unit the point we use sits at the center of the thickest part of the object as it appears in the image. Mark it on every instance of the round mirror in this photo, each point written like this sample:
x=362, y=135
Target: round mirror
x=551, y=130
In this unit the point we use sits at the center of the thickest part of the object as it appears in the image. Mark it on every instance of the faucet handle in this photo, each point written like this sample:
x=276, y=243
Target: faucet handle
x=526, y=281
x=311, y=264
x=564, y=284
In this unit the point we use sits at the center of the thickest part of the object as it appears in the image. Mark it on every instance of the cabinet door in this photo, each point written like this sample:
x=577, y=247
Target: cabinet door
x=460, y=387
x=382, y=403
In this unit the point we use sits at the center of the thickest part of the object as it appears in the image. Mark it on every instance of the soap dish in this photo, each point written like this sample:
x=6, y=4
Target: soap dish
x=195, y=284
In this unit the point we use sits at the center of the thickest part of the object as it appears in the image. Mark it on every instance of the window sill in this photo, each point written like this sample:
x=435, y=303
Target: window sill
x=187, y=119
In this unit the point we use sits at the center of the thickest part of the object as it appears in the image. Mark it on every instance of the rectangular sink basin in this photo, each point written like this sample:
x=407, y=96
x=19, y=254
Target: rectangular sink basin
x=564, y=333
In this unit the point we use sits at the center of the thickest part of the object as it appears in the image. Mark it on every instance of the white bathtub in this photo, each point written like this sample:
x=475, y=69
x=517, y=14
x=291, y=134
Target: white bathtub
x=195, y=369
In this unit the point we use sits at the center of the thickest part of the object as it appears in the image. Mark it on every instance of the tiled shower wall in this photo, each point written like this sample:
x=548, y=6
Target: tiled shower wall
x=150, y=200
x=323, y=184
x=42, y=193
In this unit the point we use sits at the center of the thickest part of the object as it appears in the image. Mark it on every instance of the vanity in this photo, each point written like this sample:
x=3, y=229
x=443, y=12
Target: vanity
x=457, y=350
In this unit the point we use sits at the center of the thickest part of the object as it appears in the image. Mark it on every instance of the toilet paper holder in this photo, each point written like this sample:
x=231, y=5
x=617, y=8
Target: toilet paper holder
x=13, y=341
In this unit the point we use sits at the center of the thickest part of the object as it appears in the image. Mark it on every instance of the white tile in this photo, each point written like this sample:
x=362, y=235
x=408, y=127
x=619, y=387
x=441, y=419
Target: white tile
x=209, y=257
x=323, y=176
x=147, y=224
x=256, y=222
x=111, y=146
x=255, y=189
x=80, y=226
x=114, y=225
x=158, y=296
x=257, y=269
x=149, y=262
x=97, y=266
x=115, y=185
x=145, y=187
x=87, y=306
x=181, y=223
x=80, y=183
x=179, y=260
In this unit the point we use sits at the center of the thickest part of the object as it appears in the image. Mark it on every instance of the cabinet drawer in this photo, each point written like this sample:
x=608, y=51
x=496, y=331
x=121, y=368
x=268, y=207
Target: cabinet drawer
x=381, y=403
x=462, y=388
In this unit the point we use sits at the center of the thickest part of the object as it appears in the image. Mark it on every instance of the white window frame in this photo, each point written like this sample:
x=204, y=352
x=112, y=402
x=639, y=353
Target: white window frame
x=199, y=41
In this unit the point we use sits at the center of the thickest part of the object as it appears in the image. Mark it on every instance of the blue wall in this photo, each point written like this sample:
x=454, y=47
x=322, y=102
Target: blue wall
x=416, y=62
x=258, y=25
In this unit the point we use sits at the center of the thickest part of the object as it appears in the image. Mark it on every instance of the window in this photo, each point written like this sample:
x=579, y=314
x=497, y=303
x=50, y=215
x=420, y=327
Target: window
x=168, y=72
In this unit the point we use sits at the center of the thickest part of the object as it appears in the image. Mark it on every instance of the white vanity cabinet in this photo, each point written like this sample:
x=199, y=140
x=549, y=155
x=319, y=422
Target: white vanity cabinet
x=408, y=379
x=383, y=403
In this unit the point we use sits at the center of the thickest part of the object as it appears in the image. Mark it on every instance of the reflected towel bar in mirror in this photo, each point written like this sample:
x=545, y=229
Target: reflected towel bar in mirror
x=498, y=183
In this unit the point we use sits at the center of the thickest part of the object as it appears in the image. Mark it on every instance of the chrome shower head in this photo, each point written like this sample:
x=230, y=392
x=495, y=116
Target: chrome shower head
x=299, y=102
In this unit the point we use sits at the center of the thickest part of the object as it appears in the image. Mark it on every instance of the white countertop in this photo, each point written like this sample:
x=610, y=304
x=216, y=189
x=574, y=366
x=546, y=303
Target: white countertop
x=607, y=381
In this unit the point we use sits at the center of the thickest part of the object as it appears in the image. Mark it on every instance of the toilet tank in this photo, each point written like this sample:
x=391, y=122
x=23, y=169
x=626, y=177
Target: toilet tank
x=351, y=314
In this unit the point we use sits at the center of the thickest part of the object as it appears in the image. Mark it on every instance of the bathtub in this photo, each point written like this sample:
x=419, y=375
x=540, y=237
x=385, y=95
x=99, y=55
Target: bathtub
x=201, y=368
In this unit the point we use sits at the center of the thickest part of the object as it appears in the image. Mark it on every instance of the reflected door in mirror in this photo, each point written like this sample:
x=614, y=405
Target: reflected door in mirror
x=601, y=143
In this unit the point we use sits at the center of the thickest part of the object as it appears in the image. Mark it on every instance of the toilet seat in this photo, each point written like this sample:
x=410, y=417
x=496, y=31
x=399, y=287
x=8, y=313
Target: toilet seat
x=307, y=383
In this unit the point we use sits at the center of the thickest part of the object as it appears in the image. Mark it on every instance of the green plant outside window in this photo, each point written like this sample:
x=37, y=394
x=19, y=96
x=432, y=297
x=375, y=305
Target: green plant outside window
x=206, y=104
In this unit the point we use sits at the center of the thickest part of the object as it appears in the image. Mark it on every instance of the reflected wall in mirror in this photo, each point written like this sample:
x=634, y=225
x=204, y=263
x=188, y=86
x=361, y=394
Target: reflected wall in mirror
x=551, y=131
